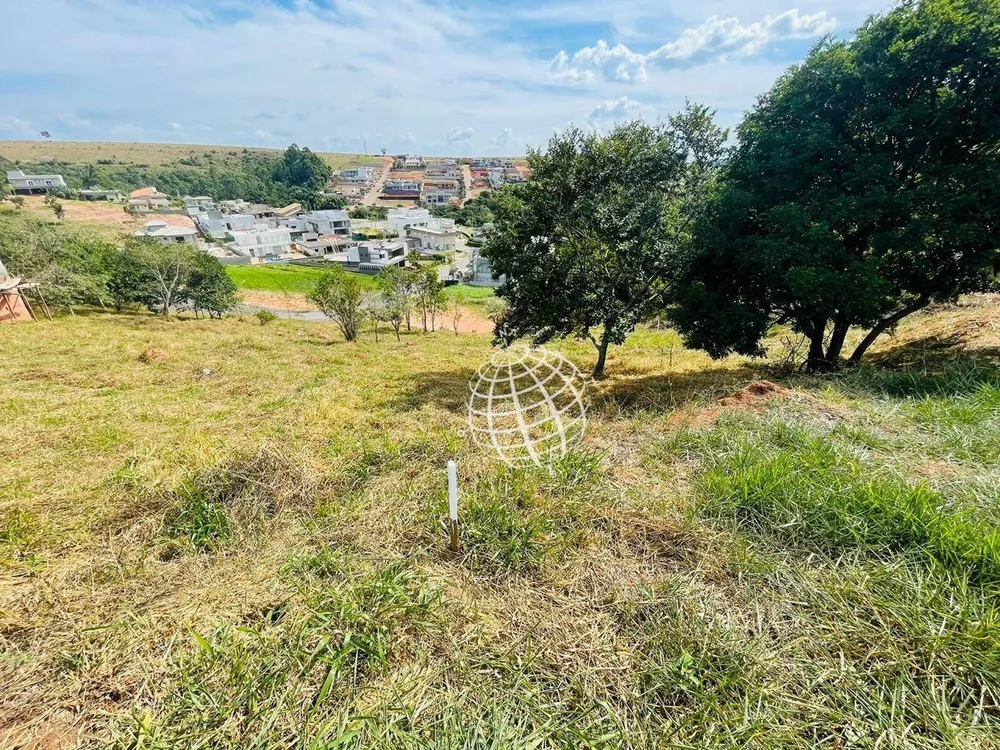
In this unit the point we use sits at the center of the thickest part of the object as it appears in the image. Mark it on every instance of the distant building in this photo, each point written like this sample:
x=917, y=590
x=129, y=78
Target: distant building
x=399, y=219
x=437, y=235
x=148, y=199
x=167, y=234
x=260, y=243
x=95, y=193
x=314, y=245
x=407, y=161
x=401, y=189
x=439, y=197
x=290, y=210
x=358, y=175
x=234, y=206
x=480, y=271
x=333, y=222
x=198, y=204
x=218, y=224
x=373, y=257
x=30, y=184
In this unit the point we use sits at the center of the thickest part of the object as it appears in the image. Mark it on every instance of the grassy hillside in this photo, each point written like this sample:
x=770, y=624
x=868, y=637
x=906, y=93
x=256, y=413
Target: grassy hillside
x=220, y=534
x=151, y=154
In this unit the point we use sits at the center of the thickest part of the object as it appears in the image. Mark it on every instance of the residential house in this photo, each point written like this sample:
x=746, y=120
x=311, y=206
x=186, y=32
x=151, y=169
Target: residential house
x=481, y=274
x=166, y=234
x=329, y=222
x=148, y=199
x=437, y=235
x=290, y=210
x=358, y=175
x=438, y=197
x=373, y=257
x=400, y=218
x=260, y=243
x=218, y=224
x=198, y=204
x=406, y=161
x=234, y=206
x=318, y=245
x=401, y=189
x=94, y=193
x=30, y=184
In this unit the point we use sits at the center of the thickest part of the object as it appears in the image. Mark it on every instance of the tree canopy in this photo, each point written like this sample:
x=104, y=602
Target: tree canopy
x=586, y=244
x=865, y=186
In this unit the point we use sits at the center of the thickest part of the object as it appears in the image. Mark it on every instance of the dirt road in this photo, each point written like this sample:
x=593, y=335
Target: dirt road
x=467, y=182
x=372, y=195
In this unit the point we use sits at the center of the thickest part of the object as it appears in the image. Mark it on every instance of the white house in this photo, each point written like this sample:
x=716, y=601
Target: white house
x=94, y=193
x=29, y=184
x=198, y=204
x=217, y=224
x=437, y=235
x=402, y=188
x=260, y=243
x=358, y=175
x=481, y=273
x=329, y=222
x=377, y=256
x=313, y=244
x=167, y=234
x=399, y=219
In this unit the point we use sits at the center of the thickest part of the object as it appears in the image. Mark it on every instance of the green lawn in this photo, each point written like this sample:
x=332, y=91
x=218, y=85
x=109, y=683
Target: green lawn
x=302, y=279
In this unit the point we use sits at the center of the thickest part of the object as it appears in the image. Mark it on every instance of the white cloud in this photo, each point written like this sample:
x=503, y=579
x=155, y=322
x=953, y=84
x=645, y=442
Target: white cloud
x=262, y=135
x=175, y=126
x=616, y=110
x=16, y=126
x=716, y=39
x=505, y=137
x=73, y=120
x=408, y=138
x=458, y=135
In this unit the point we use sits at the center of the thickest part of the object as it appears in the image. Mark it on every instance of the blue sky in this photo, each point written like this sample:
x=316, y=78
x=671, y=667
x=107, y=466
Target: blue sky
x=425, y=76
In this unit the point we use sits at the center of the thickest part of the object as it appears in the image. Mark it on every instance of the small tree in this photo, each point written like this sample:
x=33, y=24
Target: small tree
x=18, y=201
x=456, y=314
x=394, y=284
x=57, y=209
x=340, y=296
x=428, y=291
x=210, y=288
x=587, y=244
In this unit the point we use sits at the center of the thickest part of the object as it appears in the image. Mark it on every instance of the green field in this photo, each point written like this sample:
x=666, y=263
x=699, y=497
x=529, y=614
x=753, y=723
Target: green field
x=302, y=279
x=222, y=534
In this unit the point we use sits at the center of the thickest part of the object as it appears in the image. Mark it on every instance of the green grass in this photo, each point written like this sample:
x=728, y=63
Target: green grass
x=242, y=543
x=303, y=279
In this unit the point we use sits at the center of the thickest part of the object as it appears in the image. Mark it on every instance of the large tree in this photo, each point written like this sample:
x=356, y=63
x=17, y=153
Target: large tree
x=586, y=244
x=341, y=297
x=865, y=186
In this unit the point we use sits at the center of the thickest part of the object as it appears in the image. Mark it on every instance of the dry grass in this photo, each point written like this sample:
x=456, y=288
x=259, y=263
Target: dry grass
x=152, y=154
x=217, y=534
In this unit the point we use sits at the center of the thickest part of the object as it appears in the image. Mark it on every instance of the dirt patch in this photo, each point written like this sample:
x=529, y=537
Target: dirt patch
x=152, y=355
x=294, y=301
x=753, y=394
x=753, y=397
x=111, y=216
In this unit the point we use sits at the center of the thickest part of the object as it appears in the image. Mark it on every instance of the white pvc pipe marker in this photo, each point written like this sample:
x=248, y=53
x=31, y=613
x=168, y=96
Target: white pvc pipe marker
x=453, y=503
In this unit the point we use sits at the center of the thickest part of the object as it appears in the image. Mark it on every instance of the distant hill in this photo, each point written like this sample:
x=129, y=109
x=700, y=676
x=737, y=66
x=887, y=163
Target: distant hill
x=148, y=154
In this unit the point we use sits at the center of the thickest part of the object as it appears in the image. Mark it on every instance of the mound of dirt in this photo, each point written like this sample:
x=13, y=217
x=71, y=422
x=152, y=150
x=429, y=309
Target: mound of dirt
x=761, y=390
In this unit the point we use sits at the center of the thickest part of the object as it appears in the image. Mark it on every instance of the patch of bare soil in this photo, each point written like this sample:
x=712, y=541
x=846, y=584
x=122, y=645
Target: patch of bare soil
x=754, y=394
x=294, y=301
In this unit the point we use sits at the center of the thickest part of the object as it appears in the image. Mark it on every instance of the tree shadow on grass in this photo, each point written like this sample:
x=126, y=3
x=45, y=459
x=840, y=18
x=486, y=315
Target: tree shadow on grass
x=445, y=389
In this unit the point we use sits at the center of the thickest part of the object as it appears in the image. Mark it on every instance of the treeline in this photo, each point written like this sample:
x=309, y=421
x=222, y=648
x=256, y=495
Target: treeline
x=75, y=270
x=295, y=176
x=864, y=186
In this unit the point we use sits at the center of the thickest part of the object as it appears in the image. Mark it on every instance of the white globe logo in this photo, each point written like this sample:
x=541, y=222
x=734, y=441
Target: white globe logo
x=527, y=405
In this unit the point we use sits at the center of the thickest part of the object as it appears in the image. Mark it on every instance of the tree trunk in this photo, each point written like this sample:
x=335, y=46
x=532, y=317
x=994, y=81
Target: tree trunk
x=816, y=360
x=840, y=328
x=602, y=354
x=885, y=323
x=396, y=326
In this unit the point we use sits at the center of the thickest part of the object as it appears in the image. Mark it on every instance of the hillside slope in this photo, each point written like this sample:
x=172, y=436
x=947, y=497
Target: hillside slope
x=233, y=532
